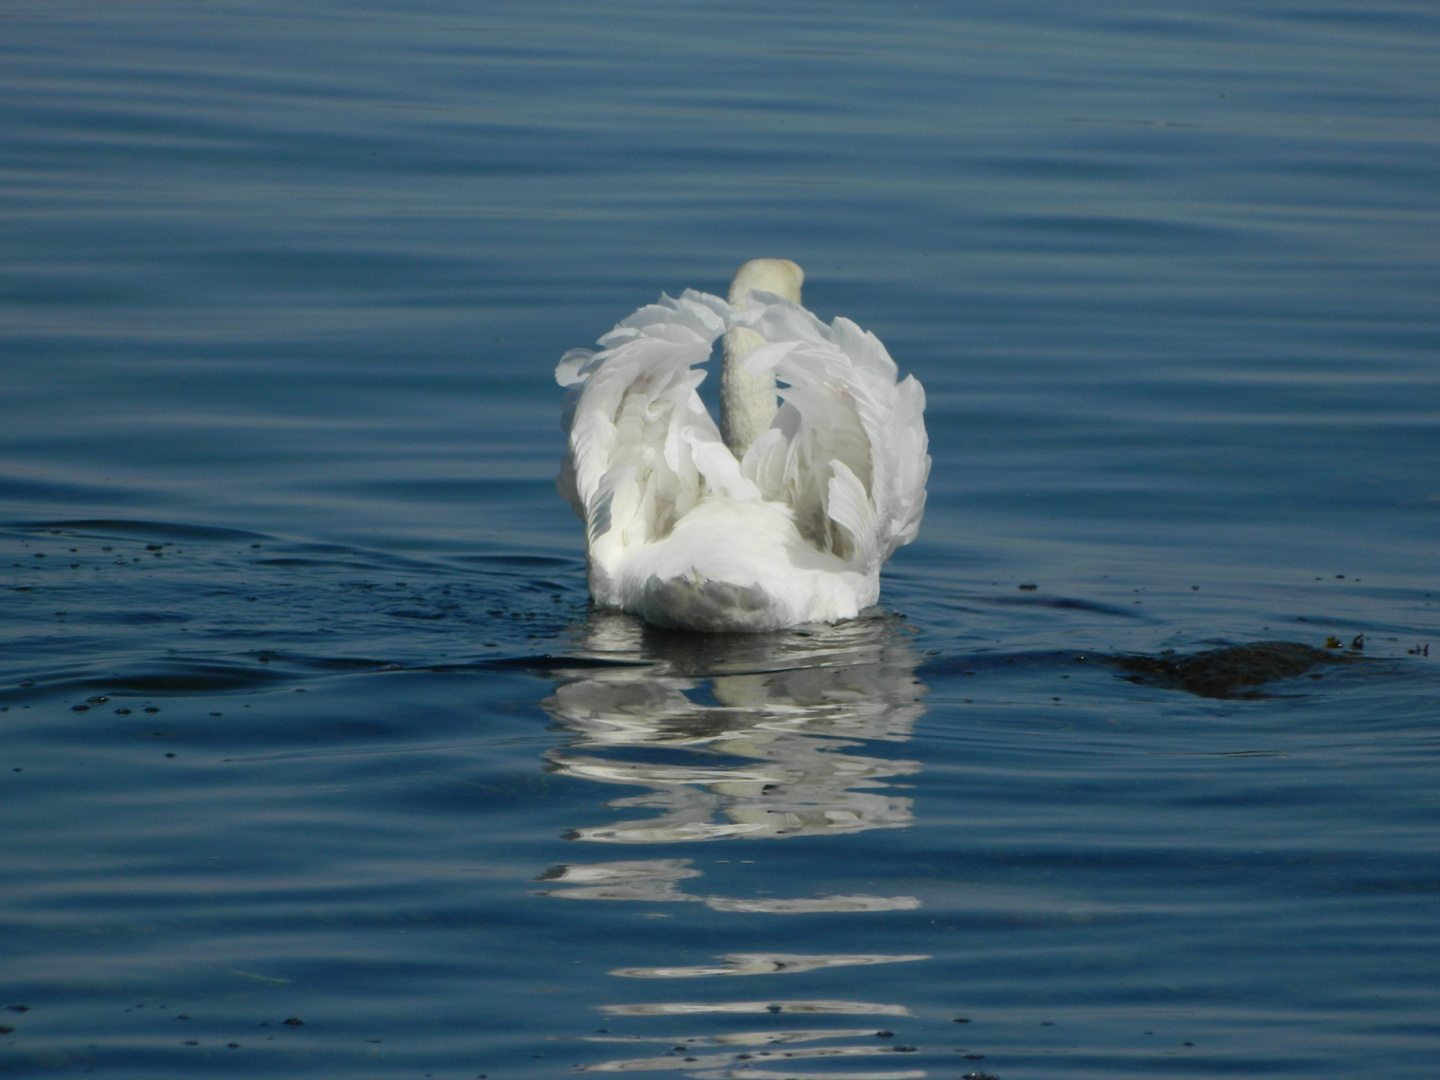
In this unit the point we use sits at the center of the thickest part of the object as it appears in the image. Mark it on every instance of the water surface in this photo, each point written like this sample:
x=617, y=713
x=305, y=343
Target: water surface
x=305, y=716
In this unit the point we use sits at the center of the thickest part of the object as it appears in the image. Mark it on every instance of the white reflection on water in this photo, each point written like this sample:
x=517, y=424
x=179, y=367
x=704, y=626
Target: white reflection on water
x=761, y=1057
x=729, y=1008
x=764, y=964
x=747, y=1038
x=856, y=902
x=645, y=879
x=750, y=1039
x=738, y=737
x=654, y=880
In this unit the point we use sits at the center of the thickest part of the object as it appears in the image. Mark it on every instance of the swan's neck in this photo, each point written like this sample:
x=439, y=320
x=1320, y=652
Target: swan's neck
x=747, y=402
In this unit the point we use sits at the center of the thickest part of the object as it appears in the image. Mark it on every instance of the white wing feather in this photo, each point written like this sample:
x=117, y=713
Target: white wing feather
x=844, y=414
x=643, y=450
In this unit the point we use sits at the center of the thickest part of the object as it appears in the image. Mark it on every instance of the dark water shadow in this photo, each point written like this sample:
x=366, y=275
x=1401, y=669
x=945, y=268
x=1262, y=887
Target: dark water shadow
x=1233, y=672
x=1229, y=672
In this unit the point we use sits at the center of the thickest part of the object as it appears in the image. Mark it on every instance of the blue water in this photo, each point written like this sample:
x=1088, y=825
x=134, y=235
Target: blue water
x=304, y=716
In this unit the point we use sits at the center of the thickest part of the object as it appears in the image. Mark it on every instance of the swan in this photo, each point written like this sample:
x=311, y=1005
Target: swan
x=782, y=514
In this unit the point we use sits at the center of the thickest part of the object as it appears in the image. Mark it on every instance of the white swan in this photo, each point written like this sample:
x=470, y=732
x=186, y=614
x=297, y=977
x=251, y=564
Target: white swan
x=785, y=520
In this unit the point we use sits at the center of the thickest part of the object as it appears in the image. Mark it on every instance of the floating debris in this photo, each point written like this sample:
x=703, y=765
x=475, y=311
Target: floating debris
x=1231, y=672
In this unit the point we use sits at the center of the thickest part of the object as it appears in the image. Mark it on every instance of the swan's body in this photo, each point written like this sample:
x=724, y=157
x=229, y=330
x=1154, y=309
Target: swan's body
x=784, y=520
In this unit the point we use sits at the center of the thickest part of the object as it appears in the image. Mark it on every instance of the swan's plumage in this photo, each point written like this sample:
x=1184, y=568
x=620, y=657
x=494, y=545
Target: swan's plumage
x=684, y=534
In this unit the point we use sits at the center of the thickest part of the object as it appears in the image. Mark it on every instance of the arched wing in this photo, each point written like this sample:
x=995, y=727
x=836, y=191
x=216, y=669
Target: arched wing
x=642, y=448
x=848, y=449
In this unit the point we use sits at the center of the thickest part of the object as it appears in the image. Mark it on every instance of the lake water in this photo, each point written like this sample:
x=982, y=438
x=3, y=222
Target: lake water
x=315, y=762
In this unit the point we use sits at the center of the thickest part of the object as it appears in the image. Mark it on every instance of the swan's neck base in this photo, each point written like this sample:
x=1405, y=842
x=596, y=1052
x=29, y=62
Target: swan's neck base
x=747, y=402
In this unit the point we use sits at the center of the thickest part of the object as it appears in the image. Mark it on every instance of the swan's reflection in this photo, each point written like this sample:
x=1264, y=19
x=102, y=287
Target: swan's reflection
x=787, y=711
x=742, y=737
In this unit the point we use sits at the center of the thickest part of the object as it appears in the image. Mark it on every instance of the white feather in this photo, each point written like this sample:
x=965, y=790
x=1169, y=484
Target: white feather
x=685, y=534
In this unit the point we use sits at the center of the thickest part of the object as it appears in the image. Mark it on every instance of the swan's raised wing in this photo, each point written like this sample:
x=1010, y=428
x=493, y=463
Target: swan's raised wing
x=642, y=448
x=847, y=451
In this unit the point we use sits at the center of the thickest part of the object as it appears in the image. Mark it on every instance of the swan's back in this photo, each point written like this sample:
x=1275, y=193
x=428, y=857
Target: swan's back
x=681, y=532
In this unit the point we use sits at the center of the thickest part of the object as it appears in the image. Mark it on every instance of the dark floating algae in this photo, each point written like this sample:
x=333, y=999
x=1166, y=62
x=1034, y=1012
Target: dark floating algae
x=1234, y=671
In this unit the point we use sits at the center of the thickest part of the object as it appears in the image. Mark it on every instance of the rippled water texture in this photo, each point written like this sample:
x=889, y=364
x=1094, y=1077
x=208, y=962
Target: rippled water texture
x=315, y=762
